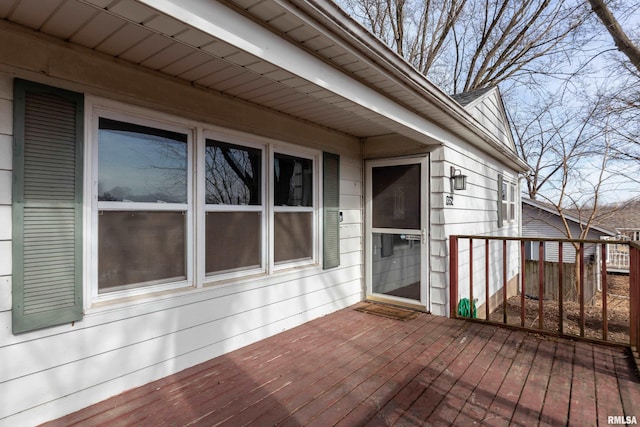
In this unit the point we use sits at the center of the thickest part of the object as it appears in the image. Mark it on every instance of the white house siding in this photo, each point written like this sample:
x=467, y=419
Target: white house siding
x=123, y=344
x=488, y=111
x=6, y=141
x=474, y=212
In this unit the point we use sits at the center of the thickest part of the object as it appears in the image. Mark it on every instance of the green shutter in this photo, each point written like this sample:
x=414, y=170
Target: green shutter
x=47, y=206
x=500, y=201
x=331, y=210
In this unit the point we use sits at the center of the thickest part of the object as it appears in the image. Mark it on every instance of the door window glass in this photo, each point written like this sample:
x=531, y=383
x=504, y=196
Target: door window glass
x=396, y=196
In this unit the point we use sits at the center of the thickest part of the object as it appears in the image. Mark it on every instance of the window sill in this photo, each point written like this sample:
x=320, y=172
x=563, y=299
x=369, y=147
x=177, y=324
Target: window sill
x=117, y=299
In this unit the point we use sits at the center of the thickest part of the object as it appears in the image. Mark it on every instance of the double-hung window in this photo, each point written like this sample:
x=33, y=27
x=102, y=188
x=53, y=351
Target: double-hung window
x=293, y=209
x=506, y=200
x=143, y=203
x=234, y=208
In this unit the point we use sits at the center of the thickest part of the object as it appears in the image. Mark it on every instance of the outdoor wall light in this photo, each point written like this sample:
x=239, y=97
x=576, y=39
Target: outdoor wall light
x=458, y=181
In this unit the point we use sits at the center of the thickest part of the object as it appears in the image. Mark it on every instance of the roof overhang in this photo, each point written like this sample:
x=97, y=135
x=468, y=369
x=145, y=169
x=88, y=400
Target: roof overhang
x=303, y=58
x=239, y=31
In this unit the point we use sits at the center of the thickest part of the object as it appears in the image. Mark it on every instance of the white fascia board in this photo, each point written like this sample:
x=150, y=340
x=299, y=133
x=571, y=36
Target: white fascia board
x=225, y=24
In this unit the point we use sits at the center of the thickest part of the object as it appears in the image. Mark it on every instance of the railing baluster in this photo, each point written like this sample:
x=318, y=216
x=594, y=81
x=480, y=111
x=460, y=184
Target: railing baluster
x=581, y=288
x=523, y=279
x=470, y=278
x=486, y=279
x=634, y=297
x=605, y=320
x=453, y=276
x=560, y=289
x=504, y=281
x=541, y=258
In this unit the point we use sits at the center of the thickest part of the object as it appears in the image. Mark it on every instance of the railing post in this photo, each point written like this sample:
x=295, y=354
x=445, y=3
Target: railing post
x=487, y=297
x=605, y=322
x=470, y=278
x=634, y=297
x=581, y=289
x=523, y=281
x=453, y=276
x=541, y=259
x=504, y=281
x=560, y=289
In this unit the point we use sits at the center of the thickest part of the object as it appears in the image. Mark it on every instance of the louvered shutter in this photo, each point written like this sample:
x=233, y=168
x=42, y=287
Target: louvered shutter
x=47, y=206
x=331, y=210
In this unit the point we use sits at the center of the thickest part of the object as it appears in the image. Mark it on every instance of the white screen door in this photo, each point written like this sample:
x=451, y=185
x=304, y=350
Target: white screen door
x=396, y=227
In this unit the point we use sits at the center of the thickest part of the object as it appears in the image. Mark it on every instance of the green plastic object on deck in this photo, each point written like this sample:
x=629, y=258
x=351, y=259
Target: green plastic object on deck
x=464, y=308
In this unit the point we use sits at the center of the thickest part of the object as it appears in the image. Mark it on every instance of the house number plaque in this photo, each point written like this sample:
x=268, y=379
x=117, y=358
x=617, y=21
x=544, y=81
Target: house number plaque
x=449, y=200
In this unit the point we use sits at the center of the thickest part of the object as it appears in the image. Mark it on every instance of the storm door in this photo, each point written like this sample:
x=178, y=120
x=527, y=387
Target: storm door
x=396, y=231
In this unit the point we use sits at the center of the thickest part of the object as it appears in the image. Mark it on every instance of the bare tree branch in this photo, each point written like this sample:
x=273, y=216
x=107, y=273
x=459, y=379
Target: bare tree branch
x=469, y=44
x=619, y=36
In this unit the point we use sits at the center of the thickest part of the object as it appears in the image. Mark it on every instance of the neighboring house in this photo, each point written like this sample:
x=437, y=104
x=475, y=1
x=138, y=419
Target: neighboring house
x=179, y=179
x=625, y=219
x=542, y=220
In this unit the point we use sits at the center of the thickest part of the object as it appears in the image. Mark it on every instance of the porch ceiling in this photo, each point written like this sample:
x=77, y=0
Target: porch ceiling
x=135, y=32
x=307, y=60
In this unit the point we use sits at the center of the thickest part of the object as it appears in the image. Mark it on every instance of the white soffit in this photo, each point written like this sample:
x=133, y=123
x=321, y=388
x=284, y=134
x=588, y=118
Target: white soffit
x=268, y=52
x=213, y=46
x=223, y=23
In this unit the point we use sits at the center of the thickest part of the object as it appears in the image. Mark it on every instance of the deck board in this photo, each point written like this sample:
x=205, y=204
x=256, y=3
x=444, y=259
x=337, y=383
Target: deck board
x=352, y=368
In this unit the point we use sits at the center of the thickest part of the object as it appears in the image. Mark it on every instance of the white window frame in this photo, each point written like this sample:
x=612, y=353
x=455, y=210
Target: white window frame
x=263, y=207
x=509, y=203
x=94, y=109
x=512, y=202
x=314, y=156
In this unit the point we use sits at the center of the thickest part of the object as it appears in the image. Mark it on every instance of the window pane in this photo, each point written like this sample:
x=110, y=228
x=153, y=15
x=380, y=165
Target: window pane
x=396, y=196
x=396, y=265
x=233, y=174
x=233, y=240
x=293, y=181
x=141, y=164
x=293, y=236
x=140, y=249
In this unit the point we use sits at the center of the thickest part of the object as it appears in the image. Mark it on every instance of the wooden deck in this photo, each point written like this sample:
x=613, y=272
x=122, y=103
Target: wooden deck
x=352, y=368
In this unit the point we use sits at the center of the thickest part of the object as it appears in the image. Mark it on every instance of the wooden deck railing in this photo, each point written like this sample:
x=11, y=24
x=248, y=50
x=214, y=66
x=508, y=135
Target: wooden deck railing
x=481, y=290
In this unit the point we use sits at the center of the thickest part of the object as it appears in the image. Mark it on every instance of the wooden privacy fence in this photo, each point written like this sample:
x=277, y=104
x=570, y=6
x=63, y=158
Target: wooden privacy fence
x=551, y=272
x=570, y=318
